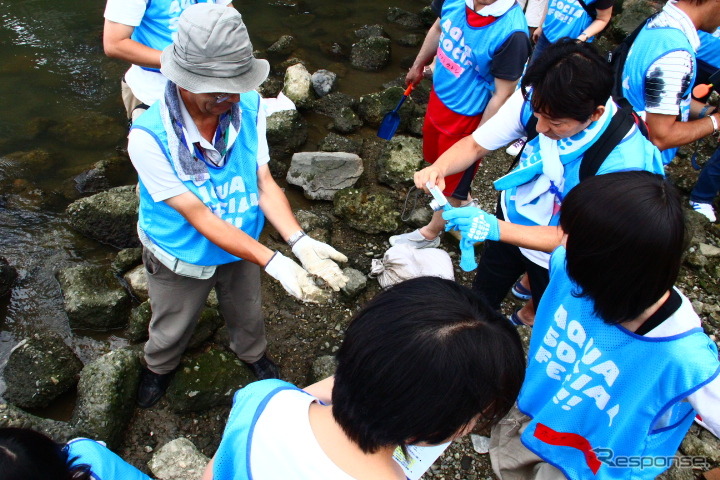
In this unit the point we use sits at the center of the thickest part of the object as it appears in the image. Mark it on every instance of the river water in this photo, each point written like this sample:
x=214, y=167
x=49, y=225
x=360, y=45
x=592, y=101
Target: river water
x=52, y=72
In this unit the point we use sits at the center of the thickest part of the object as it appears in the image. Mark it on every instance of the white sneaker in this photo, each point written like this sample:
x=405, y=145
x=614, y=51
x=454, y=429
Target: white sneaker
x=704, y=208
x=516, y=146
x=414, y=239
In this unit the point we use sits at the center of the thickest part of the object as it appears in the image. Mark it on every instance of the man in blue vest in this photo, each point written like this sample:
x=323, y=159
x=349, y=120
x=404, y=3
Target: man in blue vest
x=660, y=70
x=205, y=190
x=137, y=31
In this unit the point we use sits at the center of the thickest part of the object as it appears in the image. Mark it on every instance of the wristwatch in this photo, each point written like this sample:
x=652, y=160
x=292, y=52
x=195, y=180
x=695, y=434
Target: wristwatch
x=584, y=35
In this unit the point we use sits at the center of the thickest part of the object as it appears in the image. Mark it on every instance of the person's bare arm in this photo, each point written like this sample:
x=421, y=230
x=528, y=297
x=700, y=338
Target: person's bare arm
x=539, y=29
x=425, y=55
x=597, y=25
x=218, y=231
x=118, y=44
x=666, y=131
x=275, y=205
x=541, y=238
x=503, y=90
x=455, y=159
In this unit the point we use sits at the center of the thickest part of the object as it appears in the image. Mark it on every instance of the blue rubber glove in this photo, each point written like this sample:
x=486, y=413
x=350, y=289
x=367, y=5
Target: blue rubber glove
x=474, y=224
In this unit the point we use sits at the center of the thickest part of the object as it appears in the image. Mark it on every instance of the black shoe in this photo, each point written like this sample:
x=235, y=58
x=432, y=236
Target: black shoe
x=264, y=368
x=152, y=387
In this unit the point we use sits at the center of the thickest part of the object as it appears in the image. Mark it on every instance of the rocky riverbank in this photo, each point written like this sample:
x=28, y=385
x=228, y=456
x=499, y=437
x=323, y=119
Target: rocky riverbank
x=354, y=186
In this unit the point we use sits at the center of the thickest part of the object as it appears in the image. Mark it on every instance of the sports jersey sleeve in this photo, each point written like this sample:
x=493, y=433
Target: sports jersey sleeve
x=504, y=127
x=666, y=81
x=509, y=60
x=127, y=12
x=154, y=170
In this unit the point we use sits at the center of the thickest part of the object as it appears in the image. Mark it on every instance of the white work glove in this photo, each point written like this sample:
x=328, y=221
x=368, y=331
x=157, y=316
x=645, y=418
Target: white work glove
x=317, y=258
x=294, y=279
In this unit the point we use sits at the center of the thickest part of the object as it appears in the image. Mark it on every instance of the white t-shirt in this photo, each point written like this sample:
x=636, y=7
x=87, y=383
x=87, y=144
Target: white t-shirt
x=283, y=443
x=156, y=172
x=146, y=85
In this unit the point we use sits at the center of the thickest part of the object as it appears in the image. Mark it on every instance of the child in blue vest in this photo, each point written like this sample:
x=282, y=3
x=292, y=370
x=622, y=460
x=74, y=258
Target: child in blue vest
x=618, y=364
x=29, y=455
x=421, y=364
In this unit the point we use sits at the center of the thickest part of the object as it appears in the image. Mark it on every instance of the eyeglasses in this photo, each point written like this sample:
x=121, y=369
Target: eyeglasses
x=221, y=97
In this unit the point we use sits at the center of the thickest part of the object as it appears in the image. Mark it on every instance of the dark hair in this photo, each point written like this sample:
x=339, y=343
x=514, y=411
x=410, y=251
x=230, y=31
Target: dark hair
x=569, y=80
x=626, y=237
x=421, y=361
x=29, y=455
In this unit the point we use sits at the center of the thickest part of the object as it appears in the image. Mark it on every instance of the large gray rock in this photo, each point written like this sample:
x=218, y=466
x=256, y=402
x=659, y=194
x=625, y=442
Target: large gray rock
x=286, y=133
x=323, y=82
x=178, y=460
x=94, y=298
x=13, y=417
x=369, y=210
x=39, y=369
x=138, y=282
x=8, y=275
x=370, y=54
x=373, y=107
x=321, y=174
x=207, y=380
x=367, y=31
x=298, y=86
x=108, y=217
x=106, y=396
x=402, y=158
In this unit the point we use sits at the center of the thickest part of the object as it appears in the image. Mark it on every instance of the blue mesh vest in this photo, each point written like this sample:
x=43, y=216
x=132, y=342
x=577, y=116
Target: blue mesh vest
x=649, y=46
x=462, y=78
x=606, y=403
x=231, y=193
x=160, y=23
x=566, y=18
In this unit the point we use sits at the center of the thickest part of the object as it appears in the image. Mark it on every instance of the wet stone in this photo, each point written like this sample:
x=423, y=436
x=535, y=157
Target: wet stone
x=13, y=417
x=286, y=133
x=367, y=209
x=94, y=298
x=357, y=281
x=404, y=18
x=338, y=143
x=284, y=46
x=126, y=259
x=39, y=369
x=332, y=103
x=370, y=54
x=207, y=380
x=139, y=322
x=106, y=396
x=402, y=158
x=322, y=174
x=323, y=82
x=109, y=217
x=375, y=106
x=298, y=86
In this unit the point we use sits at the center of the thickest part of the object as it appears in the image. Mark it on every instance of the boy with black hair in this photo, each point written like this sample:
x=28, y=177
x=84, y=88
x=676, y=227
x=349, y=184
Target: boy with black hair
x=568, y=90
x=422, y=363
x=584, y=410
